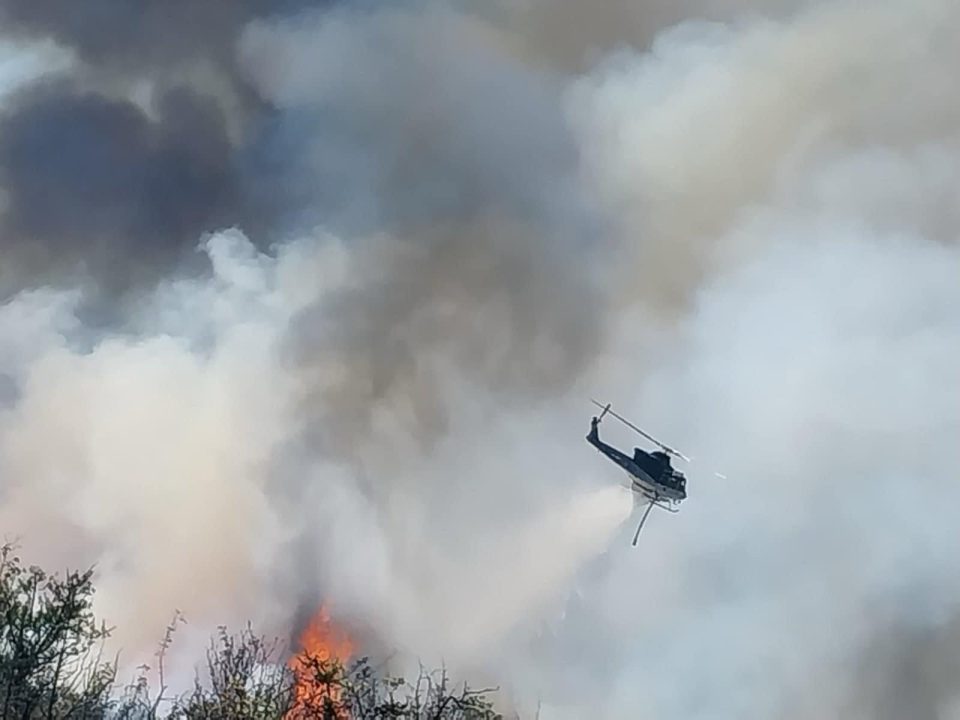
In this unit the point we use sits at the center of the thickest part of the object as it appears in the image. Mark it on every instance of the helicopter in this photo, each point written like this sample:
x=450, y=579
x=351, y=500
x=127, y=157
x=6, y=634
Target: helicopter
x=652, y=476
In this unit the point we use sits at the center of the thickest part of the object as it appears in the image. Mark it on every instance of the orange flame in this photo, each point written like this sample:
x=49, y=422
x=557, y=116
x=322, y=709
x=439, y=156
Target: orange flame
x=317, y=668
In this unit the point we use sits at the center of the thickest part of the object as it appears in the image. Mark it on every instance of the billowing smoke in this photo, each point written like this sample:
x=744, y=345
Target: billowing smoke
x=143, y=136
x=367, y=264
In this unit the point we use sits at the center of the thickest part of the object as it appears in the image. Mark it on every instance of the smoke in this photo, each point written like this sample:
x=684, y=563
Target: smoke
x=152, y=185
x=111, y=33
x=428, y=235
x=140, y=138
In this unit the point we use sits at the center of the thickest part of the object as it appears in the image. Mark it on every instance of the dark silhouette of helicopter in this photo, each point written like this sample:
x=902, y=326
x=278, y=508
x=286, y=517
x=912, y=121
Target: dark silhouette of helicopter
x=651, y=473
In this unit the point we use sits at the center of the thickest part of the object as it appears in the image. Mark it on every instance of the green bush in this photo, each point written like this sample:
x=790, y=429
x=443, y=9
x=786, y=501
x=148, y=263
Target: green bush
x=52, y=668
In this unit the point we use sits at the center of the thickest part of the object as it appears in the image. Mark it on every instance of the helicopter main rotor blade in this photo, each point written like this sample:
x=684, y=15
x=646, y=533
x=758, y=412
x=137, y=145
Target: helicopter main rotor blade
x=665, y=448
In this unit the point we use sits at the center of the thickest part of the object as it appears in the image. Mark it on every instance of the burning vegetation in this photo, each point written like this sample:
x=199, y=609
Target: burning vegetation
x=318, y=669
x=50, y=668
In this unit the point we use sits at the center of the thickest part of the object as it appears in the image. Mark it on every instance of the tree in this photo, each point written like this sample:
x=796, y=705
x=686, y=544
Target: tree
x=359, y=692
x=245, y=681
x=50, y=666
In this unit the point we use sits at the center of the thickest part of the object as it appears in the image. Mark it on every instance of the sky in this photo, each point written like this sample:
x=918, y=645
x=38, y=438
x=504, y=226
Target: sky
x=305, y=302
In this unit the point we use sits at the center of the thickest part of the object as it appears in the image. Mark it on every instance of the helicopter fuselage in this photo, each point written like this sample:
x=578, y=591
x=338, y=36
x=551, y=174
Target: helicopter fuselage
x=642, y=481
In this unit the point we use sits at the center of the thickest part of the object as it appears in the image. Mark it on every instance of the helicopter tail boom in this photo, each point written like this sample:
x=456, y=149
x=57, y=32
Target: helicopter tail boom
x=666, y=448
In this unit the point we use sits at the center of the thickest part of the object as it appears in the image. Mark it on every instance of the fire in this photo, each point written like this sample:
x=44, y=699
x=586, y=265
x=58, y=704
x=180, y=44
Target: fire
x=318, y=669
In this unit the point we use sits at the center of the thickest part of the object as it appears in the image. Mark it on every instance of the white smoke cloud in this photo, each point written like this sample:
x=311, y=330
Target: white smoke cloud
x=23, y=62
x=147, y=450
x=170, y=458
x=813, y=366
x=779, y=196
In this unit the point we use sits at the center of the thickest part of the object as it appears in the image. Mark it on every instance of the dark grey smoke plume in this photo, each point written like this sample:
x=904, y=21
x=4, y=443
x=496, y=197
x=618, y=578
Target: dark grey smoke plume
x=103, y=183
x=96, y=181
x=140, y=36
x=488, y=245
